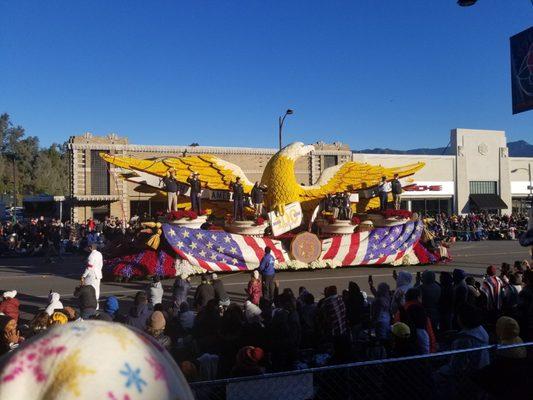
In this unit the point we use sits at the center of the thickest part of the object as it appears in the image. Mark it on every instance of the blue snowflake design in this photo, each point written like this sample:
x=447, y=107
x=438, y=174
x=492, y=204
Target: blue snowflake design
x=78, y=328
x=134, y=377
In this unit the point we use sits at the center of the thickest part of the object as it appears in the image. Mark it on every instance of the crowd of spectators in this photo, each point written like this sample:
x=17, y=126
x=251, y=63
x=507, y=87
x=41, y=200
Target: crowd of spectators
x=211, y=337
x=476, y=227
x=52, y=238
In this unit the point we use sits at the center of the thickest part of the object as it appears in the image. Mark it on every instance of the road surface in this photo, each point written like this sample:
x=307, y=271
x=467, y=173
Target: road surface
x=33, y=279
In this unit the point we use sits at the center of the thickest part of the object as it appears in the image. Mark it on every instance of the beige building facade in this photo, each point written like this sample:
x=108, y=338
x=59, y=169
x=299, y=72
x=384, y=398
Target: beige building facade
x=478, y=167
x=97, y=191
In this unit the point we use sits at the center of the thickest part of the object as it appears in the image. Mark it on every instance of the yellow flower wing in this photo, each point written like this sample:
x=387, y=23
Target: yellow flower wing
x=354, y=176
x=214, y=172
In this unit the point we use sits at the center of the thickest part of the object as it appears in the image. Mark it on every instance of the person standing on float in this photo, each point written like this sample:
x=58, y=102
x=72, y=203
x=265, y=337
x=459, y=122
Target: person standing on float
x=384, y=188
x=238, y=199
x=396, y=192
x=196, y=192
x=171, y=187
x=257, y=199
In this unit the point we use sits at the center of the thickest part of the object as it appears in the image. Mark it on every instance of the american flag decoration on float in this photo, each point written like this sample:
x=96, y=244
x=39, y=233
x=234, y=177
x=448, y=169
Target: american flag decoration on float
x=379, y=246
x=221, y=251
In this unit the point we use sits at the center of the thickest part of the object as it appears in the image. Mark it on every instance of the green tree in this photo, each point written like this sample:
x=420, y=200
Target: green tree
x=37, y=170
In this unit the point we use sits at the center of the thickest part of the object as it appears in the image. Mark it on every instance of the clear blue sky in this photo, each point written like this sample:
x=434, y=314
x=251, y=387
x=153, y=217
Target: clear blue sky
x=389, y=73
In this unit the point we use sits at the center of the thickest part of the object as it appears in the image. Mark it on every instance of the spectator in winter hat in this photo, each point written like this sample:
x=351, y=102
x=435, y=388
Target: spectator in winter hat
x=139, y=312
x=508, y=331
x=155, y=327
x=255, y=288
x=402, y=344
x=248, y=362
x=252, y=313
x=39, y=323
x=492, y=288
x=404, y=282
x=58, y=318
x=53, y=303
x=220, y=291
x=126, y=364
x=10, y=305
x=9, y=335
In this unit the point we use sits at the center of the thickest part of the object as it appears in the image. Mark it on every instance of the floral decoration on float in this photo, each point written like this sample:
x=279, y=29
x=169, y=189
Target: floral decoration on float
x=187, y=218
x=251, y=227
x=330, y=225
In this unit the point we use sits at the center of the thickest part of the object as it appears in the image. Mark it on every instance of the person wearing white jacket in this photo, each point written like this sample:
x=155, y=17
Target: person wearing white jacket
x=93, y=271
x=156, y=291
x=54, y=303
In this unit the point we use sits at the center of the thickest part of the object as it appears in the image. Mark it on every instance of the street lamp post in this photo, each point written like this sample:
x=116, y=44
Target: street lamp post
x=281, y=120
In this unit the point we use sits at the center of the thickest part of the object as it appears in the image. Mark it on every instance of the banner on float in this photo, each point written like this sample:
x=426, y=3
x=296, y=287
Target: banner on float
x=522, y=71
x=291, y=218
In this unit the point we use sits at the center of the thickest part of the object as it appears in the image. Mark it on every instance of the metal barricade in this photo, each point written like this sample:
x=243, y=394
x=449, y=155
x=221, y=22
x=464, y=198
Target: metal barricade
x=446, y=375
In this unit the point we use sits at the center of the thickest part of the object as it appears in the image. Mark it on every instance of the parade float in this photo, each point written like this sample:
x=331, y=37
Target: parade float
x=295, y=225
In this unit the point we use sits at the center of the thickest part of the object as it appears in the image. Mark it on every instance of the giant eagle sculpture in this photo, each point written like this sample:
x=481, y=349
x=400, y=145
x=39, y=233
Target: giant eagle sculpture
x=278, y=176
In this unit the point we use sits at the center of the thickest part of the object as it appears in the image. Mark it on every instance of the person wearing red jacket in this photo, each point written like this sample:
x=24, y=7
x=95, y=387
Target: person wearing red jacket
x=10, y=305
x=254, y=289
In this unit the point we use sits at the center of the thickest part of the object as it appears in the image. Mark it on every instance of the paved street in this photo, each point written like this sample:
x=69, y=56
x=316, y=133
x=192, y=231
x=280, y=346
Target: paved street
x=33, y=279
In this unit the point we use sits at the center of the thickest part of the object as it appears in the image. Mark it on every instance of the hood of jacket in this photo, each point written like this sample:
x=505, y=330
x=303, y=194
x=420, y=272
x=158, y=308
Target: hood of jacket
x=458, y=275
x=139, y=310
x=404, y=279
x=428, y=277
x=111, y=305
x=54, y=297
x=477, y=335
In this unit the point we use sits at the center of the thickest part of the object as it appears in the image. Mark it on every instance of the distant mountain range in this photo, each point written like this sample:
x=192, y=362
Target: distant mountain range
x=520, y=148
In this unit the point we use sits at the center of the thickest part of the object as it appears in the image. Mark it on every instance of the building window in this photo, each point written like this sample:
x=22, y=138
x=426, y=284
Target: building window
x=430, y=206
x=330, y=161
x=99, y=174
x=483, y=187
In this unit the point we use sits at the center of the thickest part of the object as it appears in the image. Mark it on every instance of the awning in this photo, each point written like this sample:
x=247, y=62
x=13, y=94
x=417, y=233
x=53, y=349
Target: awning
x=488, y=201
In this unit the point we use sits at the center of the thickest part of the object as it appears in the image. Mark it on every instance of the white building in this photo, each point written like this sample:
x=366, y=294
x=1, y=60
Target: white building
x=479, y=174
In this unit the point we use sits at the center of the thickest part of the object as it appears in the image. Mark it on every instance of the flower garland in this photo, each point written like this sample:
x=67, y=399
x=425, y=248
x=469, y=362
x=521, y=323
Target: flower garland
x=175, y=215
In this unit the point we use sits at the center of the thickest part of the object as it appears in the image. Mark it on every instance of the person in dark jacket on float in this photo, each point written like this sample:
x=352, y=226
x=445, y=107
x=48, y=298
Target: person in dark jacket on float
x=220, y=291
x=396, y=189
x=257, y=199
x=171, y=187
x=196, y=191
x=266, y=268
x=204, y=293
x=139, y=312
x=86, y=296
x=238, y=199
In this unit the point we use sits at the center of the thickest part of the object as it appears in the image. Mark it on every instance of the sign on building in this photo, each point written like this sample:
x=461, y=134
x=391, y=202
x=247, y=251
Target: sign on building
x=522, y=70
x=292, y=218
